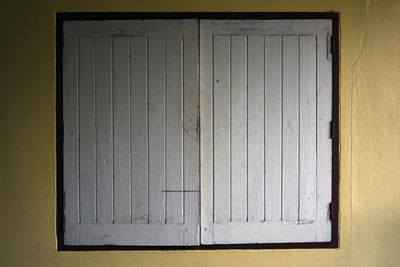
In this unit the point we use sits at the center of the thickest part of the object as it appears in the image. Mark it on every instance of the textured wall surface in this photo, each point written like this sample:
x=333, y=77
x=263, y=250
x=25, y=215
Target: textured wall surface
x=370, y=137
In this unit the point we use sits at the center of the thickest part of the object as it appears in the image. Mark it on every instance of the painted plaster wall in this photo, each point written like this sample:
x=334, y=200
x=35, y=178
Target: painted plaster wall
x=370, y=137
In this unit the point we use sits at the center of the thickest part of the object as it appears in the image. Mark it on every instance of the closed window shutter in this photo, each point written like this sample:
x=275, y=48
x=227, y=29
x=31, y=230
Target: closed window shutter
x=266, y=107
x=130, y=132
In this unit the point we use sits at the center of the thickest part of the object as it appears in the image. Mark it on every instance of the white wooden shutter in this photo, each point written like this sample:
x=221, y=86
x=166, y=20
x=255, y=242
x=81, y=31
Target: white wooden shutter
x=130, y=132
x=266, y=102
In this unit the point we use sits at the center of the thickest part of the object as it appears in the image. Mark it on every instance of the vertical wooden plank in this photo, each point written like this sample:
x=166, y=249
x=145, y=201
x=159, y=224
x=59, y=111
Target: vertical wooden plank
x=104, y=146
x=221, y=108
x=273, y=127
x=139, y=120
x=324, y=141
x=87, y=181
x=239, y=127
x=156, y=152
x=206, y=126
x=255, y=130
x=70, y=147
x=290, y=129
x=174, y=127
x=191, y=135
x=121, y=84
x=308, y=146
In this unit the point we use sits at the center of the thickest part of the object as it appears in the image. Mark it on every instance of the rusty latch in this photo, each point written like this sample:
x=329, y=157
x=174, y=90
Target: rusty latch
x=179, y=191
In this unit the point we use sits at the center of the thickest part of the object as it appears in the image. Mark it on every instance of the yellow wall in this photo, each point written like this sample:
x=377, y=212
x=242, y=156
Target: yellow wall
x=370, y=137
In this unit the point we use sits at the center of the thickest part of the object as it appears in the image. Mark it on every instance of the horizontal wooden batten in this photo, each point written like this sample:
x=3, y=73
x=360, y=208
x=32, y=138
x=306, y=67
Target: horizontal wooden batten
x=125, y=234
x=235, y=233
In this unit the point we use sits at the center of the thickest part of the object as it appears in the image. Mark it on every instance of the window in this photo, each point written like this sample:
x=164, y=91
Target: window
x=146, y=101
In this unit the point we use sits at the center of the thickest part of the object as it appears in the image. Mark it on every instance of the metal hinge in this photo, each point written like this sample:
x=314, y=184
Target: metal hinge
x=331, y=212
x=329, y=46
x=332, y=44
x=332, y=129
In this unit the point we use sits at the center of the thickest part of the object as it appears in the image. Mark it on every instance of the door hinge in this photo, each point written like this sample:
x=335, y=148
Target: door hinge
x=329, y=46
x=332, y=129
x=332, y=45
x=331, y=212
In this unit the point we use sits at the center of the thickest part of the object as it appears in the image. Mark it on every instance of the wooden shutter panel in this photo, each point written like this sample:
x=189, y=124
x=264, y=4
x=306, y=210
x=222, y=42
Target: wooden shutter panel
x=130, y=100
x=266, y=104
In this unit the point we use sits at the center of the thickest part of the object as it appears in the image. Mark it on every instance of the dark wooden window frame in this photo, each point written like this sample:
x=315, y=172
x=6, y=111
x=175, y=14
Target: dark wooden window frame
x=334, y=208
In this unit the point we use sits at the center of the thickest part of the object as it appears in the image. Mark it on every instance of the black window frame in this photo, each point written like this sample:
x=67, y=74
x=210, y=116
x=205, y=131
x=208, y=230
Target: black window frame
x=334, y=207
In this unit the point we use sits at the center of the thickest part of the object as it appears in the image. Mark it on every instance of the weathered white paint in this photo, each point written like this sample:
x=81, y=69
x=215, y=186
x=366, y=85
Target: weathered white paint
x=255, y=129
x=131, y=132
x=273, y=127
x=308, y=137
x=71, y=155
x=239, y=128
x=130, y=115
x=221, y=183
x=104, y=130
x=134, y=234
x=174, y=131
x=207, y=136
x=121, y=130
x=324, y=143
x=285, y=174
x=156, y=107
x=139, y=136
x=86, y=133
x=191, y=167
x=290, y=128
